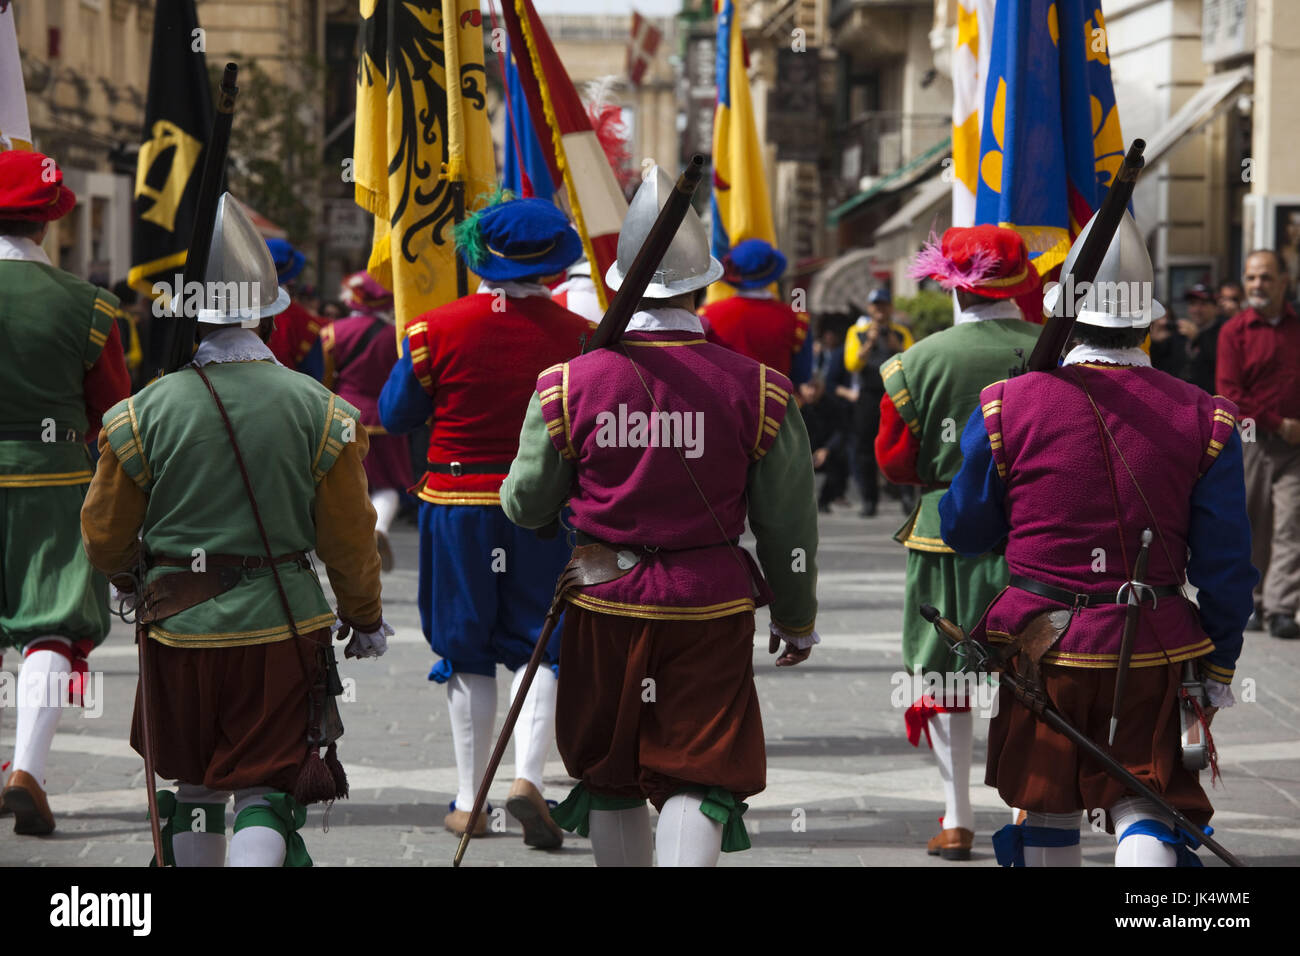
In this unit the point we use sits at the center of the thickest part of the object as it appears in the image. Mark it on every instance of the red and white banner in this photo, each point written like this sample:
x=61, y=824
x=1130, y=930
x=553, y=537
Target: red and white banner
x=641, y=48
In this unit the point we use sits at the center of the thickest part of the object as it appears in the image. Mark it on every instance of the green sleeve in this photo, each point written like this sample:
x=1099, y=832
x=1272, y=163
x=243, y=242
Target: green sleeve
x=783, y=517
x=539, y=480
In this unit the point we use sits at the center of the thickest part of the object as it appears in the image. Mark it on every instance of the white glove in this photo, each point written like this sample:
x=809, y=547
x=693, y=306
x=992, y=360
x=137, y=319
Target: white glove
x=372, y=644
x=1220, y=694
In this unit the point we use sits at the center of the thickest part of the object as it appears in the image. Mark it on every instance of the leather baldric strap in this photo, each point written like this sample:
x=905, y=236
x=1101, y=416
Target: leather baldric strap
x=456, y=468
x=1087, y=598
x=170, y=594
x=69, y=435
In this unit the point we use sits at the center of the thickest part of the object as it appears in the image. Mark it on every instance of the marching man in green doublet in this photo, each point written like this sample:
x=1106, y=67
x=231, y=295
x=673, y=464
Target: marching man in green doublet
x=61, y=365
x=931, y=389
x=232, y=470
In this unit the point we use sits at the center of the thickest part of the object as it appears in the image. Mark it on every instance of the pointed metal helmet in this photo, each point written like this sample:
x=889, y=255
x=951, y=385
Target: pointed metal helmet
x=1122, y=296
x=241, y=286
x=686, y=266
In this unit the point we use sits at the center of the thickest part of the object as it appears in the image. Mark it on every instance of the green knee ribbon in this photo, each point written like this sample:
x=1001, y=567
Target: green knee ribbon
x=722, y=805
x=573, y=814
x=285, y=816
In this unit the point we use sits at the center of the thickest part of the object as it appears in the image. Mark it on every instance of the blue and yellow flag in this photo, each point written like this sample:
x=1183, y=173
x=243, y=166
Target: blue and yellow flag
x=1051, y=142
x=742, y=206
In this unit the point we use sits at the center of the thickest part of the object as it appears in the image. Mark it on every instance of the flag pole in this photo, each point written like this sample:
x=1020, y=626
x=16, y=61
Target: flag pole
x=557, y=140
x=455, y=171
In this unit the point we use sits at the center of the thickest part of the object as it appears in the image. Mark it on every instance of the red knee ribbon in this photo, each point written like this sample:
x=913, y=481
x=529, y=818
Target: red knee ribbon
x=76, y=657
x=917, y=718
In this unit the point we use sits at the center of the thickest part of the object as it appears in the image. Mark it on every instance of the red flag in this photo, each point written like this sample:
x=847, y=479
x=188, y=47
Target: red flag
x=641, y=48
x=594, y=194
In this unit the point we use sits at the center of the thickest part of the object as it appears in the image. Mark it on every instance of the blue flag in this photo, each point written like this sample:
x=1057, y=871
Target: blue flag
x=1051, y=142
x=521, y=140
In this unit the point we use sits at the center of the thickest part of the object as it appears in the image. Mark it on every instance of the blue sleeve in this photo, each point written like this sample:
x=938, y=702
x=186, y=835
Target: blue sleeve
x=1219, y=566
x=404, y=405
x=801, y=368
x=971, y=515
x=314, y=362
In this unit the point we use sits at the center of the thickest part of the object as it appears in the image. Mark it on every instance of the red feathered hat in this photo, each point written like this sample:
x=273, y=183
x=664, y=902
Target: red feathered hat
x=990, y=261
x=31, y=187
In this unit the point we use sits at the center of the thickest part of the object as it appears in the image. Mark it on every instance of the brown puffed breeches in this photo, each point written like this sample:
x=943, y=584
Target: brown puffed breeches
x=1037, y=769
x=647, y=707
x=232, y=717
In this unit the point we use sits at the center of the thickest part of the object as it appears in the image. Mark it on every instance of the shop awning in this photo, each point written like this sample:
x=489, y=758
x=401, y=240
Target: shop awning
x=1215, y=95
x=914, y=171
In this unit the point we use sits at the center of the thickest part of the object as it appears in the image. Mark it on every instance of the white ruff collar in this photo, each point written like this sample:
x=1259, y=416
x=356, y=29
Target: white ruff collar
x=22, y=249
x=513, y=290
x=232, y=345
x=665, y=320
x=1090, y=353
x=983, y=311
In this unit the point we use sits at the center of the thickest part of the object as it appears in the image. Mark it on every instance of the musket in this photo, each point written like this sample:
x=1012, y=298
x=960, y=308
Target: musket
x=1056, y=331
x=608, y=332
x=181, y=348
x=1035, y=698
x=1135, y=589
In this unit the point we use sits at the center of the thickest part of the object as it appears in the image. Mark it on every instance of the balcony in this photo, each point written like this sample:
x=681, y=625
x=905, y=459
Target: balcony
x=876, y=144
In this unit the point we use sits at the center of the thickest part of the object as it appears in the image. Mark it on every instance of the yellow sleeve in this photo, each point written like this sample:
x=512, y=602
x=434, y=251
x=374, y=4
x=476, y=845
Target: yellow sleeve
x=345, y=536
x=852, y=346
x=112, y=514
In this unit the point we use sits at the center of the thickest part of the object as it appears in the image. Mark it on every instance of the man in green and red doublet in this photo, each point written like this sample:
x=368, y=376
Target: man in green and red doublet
x=61, y=365
x=930, y=391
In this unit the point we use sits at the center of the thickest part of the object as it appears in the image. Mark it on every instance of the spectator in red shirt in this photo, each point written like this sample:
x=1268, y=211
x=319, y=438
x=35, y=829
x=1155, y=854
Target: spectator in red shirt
x=1259, y=369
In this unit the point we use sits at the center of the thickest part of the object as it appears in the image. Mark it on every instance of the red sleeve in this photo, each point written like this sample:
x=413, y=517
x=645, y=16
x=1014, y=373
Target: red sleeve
x=896, y=446
x=106, y=382
x=1228, y=379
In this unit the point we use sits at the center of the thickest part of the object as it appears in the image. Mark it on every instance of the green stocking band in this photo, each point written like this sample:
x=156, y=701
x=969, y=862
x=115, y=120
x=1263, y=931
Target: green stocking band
x=722, y=805
x=285, y=816
x=166, y=812
x=572, y=814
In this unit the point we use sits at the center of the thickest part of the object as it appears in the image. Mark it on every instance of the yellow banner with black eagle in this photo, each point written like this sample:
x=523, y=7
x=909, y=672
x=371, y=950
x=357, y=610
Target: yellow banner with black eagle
x=416, y=135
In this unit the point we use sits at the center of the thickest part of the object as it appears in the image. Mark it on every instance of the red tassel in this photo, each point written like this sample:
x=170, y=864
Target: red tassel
x=315, y=782
x=337, y=772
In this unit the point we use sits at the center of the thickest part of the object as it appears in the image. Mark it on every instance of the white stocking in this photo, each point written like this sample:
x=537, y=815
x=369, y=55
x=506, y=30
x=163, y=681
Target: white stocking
x=685, y=836
x=472, y=702
x=622, y=837
x=1054, y=855
x=386, y=502
x=536, y=726
x=952, y=736
x=199, y=849
x=1140, y=849
x=38, y=710
x=255, y=846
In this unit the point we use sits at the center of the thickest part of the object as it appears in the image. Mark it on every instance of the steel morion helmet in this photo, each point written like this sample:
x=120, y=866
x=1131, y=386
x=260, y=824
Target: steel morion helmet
x=240, y=286
x=686, y=266
x=1121, y=296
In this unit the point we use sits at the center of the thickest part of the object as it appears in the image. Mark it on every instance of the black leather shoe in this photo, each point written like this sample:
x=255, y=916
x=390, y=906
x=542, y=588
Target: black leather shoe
x=1283, y=626
x=868, y=510
x=1256, y=621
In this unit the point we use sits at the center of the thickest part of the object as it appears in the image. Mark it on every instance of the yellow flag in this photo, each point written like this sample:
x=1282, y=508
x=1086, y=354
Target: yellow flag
x=416, y=134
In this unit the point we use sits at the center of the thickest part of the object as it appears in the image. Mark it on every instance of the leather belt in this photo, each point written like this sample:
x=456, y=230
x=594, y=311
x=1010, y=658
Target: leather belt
x=581, y=538
x=1088, y=598
x=70, y=435
x=247, y=563
x=456, y=468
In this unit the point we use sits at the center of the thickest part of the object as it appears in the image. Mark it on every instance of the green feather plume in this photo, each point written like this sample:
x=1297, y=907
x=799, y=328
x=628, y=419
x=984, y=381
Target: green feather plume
x=469, y=239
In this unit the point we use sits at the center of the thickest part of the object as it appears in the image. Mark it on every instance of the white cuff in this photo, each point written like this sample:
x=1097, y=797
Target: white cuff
x=1220, y=694
x=799, y=643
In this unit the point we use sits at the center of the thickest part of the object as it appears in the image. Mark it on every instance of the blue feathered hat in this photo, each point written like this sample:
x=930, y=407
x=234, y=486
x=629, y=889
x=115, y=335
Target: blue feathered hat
x=518, y=239
x=288, y=260
x=753, y=264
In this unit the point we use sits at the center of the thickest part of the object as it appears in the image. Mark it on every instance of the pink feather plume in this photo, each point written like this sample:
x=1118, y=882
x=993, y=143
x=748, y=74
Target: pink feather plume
x=931, y=263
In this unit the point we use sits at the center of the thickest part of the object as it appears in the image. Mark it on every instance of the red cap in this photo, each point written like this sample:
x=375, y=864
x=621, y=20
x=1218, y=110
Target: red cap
x=990, y=261
x=31, y=187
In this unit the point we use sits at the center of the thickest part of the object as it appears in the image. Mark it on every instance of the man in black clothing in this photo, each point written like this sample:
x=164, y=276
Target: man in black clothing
x=1200, y=332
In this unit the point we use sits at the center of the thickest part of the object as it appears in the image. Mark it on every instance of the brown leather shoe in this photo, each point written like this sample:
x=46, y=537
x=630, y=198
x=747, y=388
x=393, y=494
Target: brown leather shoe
x=526, y=805
x=953, y=844
x=458, y=820
x=24, y=796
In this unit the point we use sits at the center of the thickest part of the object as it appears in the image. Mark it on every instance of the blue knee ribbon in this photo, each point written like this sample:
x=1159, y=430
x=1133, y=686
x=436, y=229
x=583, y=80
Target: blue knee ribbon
x=1009, y=843
x=441, y=672
x=1184, y=844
